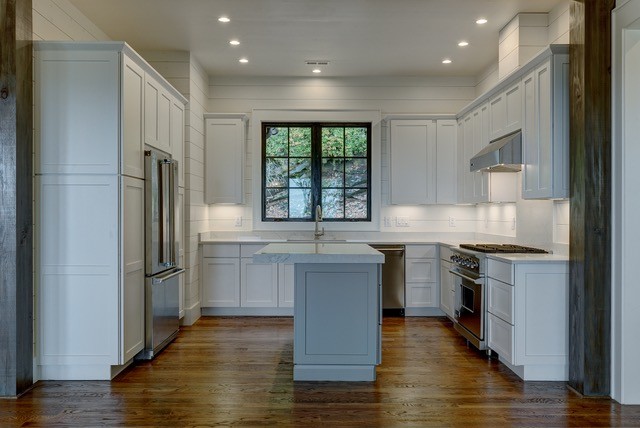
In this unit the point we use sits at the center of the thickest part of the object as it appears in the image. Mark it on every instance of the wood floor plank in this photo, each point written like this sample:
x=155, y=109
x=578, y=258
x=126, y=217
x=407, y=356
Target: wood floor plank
x=226, y=371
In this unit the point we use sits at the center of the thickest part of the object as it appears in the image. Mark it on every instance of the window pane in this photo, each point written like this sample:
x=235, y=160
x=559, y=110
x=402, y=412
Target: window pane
x=356, y=141
x=332, y=142
x=300, y=204
x=332, y=173
x=333, y=203
x=356, y=172
x=276, y=172
x=277, y=141
x=300, y=142
x=300, y=172
x=277, y=202
x=356, y=204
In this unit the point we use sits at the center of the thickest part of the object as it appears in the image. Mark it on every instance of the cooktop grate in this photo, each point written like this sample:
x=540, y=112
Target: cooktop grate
x=502, y=248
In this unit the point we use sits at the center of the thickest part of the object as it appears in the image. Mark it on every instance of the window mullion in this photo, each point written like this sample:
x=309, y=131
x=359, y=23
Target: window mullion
x=316, y=168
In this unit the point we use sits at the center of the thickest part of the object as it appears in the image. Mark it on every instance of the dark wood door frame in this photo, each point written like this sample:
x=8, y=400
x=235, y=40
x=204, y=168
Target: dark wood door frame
x=16, y=165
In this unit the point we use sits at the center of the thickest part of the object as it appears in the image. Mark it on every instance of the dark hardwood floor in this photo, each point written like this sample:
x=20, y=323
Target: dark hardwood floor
x=238, y=371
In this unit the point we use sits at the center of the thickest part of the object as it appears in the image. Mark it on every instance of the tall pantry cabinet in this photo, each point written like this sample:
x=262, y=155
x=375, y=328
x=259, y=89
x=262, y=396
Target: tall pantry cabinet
x=92, y=118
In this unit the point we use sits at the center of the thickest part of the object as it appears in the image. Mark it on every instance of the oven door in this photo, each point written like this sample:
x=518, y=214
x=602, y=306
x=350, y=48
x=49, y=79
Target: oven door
x=469, y=310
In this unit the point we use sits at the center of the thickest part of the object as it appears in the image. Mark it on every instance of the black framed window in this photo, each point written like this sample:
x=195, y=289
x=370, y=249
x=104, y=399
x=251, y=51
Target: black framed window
x=310, y=164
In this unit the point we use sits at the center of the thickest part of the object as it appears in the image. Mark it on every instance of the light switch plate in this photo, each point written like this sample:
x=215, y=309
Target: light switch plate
x=238, y=222
x=402, y=221
x=452, y=222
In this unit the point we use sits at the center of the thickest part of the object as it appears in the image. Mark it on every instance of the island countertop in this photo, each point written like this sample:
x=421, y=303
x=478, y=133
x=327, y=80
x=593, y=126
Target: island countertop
x=295, y=252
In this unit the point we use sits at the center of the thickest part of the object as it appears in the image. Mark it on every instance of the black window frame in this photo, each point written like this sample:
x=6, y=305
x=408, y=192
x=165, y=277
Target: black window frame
x=316, y=168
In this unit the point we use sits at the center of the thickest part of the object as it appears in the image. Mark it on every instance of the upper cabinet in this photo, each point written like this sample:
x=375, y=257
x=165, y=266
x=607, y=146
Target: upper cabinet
x=422, y=161
x=134, y=108
x=534, y=99
x=224, y=158
x=546, y=130
x=506, y=112
x=412, y=165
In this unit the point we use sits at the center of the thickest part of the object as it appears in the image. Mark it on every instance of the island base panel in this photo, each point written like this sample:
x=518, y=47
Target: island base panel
x=334, y=372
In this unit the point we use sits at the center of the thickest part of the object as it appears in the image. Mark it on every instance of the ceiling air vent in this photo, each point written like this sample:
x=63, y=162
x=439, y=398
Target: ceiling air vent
x=316, y=62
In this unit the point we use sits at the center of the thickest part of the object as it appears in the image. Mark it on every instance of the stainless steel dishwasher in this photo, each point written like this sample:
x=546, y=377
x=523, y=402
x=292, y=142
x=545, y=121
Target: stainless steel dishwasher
x=393, y=299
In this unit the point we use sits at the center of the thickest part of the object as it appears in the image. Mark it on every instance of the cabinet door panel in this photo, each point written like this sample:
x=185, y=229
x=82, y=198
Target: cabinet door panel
x=76, y=134
x=224, y=161
x=177, y=138
x=500, y=337
x=133, y=119
x=446, y=165
x=133, y=247
x=258, y=284
x=422, y=295
x=446, y=286
x=221, y=282
x=420, y=270
x=500, y=300
x=286, y=278
x=413, y=162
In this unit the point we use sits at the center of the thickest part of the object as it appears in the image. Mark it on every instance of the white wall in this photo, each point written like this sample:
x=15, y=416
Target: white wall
x=60, y=20
x=390, y=96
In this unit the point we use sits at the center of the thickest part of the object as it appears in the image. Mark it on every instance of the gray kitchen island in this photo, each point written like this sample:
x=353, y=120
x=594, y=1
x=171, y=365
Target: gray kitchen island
x=337, y=308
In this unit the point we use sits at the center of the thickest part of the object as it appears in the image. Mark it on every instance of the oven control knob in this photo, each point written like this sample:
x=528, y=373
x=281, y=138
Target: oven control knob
x=474, y=265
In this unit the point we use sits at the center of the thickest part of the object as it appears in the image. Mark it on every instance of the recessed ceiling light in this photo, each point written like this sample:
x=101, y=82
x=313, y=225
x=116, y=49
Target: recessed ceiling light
x=446, y=61
x=316, y=70
x=463, y=44
x=234, y=42
x=243, y=60
x=224, y=19
x=481, y=21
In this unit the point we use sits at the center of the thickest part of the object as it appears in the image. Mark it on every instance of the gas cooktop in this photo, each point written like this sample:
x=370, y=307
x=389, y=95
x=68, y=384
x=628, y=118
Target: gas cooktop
x=502, y=248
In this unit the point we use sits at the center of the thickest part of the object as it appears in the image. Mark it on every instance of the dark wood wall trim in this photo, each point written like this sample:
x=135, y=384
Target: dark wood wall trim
x=590, y=216
x=16, y=184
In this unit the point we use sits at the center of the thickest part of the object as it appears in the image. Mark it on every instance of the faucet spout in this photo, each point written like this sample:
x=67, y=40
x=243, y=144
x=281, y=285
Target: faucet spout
x=318, y=232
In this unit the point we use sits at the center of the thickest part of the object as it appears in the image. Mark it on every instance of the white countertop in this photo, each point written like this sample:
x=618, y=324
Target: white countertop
x=529, y=258
x=296, y=252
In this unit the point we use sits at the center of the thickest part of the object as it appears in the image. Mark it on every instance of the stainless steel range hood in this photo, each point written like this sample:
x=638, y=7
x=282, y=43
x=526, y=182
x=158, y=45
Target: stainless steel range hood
x=503, y=154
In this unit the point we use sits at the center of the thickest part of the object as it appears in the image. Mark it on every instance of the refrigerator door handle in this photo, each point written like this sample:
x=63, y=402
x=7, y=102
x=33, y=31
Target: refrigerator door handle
x=166, y=220
x=161, y=279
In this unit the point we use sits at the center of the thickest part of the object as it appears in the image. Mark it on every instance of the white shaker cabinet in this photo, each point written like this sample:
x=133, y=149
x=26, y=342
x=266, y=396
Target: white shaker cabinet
x=506, y=112
x=233, y=284
x=177, y=137
x=528, y=317
x=422, y=161
x=224, y=158
x=157, y=115
x=546, y=130
x=89, y=143
x=421, y=279
x=412, y=165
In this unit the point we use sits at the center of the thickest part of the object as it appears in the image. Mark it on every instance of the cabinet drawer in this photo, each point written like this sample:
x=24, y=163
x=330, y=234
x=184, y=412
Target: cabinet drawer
x=248, y=250
x=500, y=337
x=420, y=270
x=420, y=251
x=502, y=271
x=221, y=250
x=500, y=300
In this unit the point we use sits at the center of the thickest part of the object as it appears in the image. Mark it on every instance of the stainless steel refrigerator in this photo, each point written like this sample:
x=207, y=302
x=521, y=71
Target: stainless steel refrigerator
x=161, y=252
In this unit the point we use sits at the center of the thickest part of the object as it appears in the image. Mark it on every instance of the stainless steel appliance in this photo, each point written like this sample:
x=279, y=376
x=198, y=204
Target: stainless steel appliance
x=161, y=252
x=393, y=298
x=469, y=265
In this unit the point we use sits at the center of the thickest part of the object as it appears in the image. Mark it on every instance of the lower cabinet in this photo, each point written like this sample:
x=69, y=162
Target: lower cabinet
x=422, y=294
x=528, y=322
x=233, y=284
x=447, y=289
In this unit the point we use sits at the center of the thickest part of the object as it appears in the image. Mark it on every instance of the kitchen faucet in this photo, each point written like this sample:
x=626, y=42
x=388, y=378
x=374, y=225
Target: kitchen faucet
x=318, y=233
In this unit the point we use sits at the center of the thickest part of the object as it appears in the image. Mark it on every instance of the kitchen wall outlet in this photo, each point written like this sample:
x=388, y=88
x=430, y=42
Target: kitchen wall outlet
x=452, y=221
x=387, y=222
x=513, y=223
x=402, y=221
x=238, y=222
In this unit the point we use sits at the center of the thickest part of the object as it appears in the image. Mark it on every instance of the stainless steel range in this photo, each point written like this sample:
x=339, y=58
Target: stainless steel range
x=469, y=265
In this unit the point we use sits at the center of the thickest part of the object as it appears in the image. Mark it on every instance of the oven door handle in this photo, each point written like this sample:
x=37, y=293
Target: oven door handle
x=478, y=281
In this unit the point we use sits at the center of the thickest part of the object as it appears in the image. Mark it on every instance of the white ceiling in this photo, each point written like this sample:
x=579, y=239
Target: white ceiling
x=358, y=37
